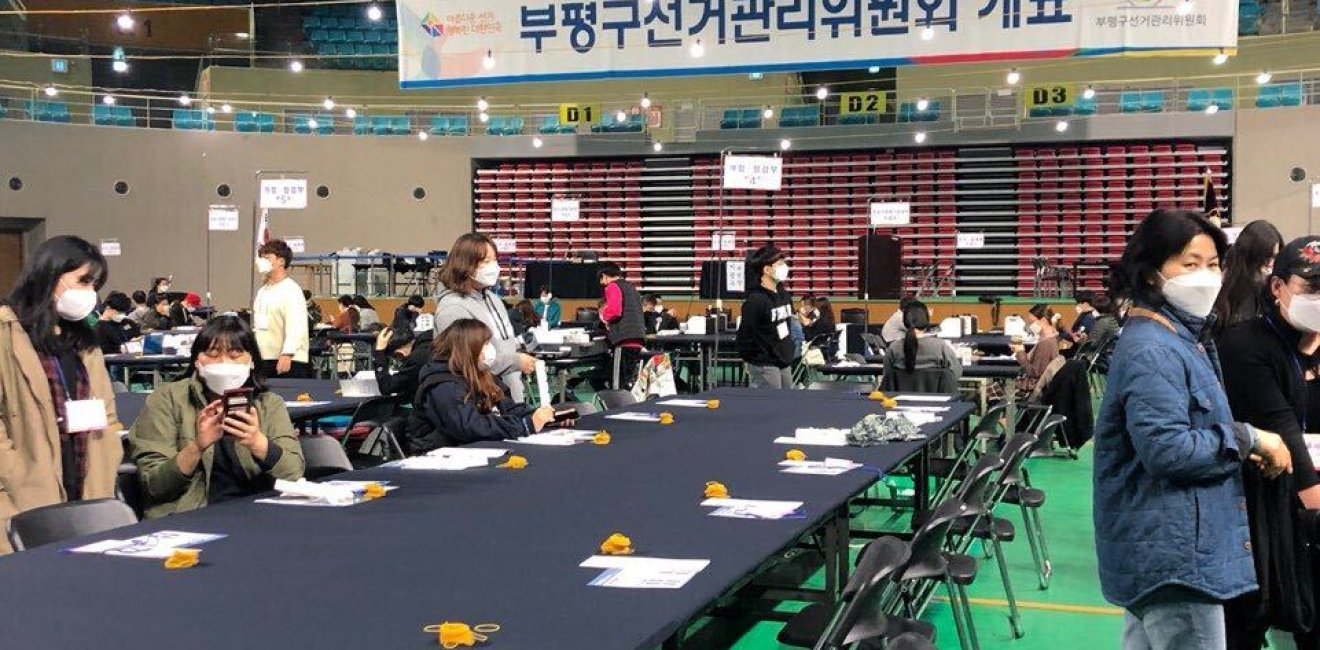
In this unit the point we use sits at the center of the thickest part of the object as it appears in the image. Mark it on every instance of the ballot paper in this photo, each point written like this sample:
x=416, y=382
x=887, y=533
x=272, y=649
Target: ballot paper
x=687, y=403
x=635, y=417
x=334, y=494
x=752, y=508
x=440, y=463
x=924, y=398
x=303, y=405
x=560, y=438
x=467, y=452
x=915, y=417
x=157, y=545
x=909, y=408
x=363, y=384
x=632, y=572
x=817, y=437
x=542, y=383
x=827, y=467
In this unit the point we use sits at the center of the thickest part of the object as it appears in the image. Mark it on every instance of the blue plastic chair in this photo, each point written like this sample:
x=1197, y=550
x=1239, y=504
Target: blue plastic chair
x=458, y=125
x=1200, y=99
x=1084, y=106
x=380, y=125
x=302, y=123
x=103, y=115
x=495, y=126
x=439, y=125
x=354, y=36
x=794, y=116
x=1152, y=101
x=1248, y=19
x=1130, y=101
x=549, y=126
x=192, y=120
x=319, y=36
x=4, y=112
x=336, y=36
x=931, y=114
x=1290, y=95
x=750, y=118
x=857, y=118
x=311, y=22
x=372, y=36
x=730, y=118
x=400, y=125
x=634, y=124
x=362, y=125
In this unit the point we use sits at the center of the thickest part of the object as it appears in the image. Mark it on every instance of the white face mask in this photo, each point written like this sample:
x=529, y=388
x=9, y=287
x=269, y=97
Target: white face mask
x=659, y=309
x=781, y=273
x=487, y=355
x=1304, y=312
x=118, y=318
x=488, y=274
x=1194, y=292
x=220, y=377
x=545, y=298
x=75, y=304
x=264, y=266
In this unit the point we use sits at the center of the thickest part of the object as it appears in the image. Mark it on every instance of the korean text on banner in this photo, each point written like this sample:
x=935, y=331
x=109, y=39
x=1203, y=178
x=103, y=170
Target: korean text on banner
x=753, y=173
x=283, y=194
x=891, y=214
x=565, y=209
x=735, y=276
x=444, y=43
x=970, y=240
x=296, y=244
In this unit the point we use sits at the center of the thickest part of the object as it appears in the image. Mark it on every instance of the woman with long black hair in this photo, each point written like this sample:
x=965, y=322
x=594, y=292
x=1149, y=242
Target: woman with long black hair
x=59, y=435
x=1247, y=268
x=918, y=349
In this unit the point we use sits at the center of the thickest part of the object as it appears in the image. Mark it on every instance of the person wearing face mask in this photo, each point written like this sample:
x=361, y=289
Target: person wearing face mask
x=765, y=340
x=1085, y=321
x=405, y=315
x=113, y=329
x=408, y=352
x=279, y=315
x=1035, y=364
x=466, y=279
x=1247, y=268
x=625, y=328
x=549, y=309
x=140, y=308
x=656, y=318
x=159, y=287
x=191, y=453
x=1267, y=362
x=462, y=400
x=59, y=435
x=1171, y=531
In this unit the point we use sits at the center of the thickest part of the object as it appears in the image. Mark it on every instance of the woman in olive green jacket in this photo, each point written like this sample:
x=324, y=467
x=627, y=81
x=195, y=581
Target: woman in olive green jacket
x=189, y=452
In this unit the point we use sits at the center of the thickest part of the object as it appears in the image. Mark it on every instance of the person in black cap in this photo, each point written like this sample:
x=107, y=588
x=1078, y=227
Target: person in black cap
x=765, y=340
x=1267, y=362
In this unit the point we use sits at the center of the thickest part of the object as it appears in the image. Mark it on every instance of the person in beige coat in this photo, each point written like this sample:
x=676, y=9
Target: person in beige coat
x=189, y=452
x=59, y=435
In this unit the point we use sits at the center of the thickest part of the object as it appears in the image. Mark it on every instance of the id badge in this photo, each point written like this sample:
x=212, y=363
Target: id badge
x=260, y=321
x=782, y=330
x=85, y=415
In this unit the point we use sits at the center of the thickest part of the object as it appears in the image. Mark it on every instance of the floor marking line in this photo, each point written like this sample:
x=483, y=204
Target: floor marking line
x=1048, y=607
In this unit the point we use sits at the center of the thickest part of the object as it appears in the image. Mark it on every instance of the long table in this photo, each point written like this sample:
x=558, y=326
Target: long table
x=481, y=546
x=706, y=347
x=129, y=405
x=126, y=364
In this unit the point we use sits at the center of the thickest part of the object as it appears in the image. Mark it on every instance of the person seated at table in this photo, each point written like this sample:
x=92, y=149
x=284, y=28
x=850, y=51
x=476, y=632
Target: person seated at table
x=918, y=350
x=348, y=318
x=113, y=329
x=1085, y=321
x=1040, y=324
x=463, y=400
x=159, y=316
x=625, y=329
x=657, y=319
x=189, y=452
x=893, y=329
x=368, y=319
x=314, y=316
x=527, y=314
x=181, y=311
x=1106, y=320
x=549, y=308
x=140, y=307
x=48, y=360
x=817, y=317
x=405, y=315
x=408, y=352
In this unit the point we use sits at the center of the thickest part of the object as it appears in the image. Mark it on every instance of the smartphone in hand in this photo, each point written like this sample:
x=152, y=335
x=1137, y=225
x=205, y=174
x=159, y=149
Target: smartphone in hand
x=235, y=401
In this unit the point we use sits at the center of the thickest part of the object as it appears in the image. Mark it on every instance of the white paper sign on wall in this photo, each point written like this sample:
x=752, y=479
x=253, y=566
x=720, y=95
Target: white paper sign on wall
x=565, y=209
x=296, y=244
x=735, y=276
x=1315, y=195
x=110, y=248
x=891, y=214
x=505, y=246
x=284, y=193
x=753, y=173
x=222, y=217
x=723, y=240
x=971, y=240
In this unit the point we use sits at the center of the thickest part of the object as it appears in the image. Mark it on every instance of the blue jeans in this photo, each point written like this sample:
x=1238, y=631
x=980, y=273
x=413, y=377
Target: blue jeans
x=1175, y=618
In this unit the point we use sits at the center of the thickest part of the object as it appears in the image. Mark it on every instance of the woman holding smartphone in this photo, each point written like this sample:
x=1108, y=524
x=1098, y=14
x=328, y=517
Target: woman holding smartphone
x=216, y=435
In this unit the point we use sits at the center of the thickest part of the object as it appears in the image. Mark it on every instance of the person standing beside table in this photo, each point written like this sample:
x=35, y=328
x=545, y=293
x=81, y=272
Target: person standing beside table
x=279, y=315
x=765, y=340
x=1267, y=362
x=190, y=452
x=1247, y=269
x=470, y=271
x=1171, y=530
x=59, y=434
x=625, y=328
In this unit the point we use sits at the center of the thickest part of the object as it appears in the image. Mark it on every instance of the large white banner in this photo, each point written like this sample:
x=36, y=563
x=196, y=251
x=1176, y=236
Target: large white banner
x=474, y=42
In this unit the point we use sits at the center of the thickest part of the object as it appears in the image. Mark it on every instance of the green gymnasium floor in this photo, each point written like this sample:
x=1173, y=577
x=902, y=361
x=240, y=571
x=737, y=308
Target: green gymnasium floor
x=1071, y=613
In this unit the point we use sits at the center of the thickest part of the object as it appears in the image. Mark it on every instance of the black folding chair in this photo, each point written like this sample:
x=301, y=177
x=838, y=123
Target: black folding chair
x=375, y=443
x=612, y=399
x=55, y=523
x=323, y=456
x=1030, y=500
x=128, y=488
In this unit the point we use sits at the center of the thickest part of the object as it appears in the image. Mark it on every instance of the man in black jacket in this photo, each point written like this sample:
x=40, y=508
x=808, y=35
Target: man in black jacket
x=765, y=342
x=624, y=326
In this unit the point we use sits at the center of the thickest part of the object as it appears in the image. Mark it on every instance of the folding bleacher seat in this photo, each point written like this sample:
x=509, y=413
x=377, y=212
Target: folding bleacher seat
x=336, y=36
x=458, y=125
x=1130, y=101
x=1248, y=18
x=1152, y=101
x=859, y=118
x=1085, y=106
x=750, y=118
x=793, y=116
x=191, y=120
x=1276, y=95
x=49, y=111
x=311, y=22
x=371, y=36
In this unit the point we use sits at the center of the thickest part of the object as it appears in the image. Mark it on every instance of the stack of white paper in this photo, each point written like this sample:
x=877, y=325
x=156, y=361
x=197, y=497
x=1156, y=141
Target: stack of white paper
x=557, y=438
x=817, y=437
x=157, y=545
x=302, y=405
x=631, y=572
x=686, y=403
x=915, y=417
x=827, y=467
x=635, y=417
x=751, y=508
x=908, y=397
x=331, y=495
x=451, y=459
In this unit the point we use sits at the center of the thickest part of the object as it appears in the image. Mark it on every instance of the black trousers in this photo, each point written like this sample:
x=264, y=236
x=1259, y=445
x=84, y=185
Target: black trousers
x=298, y=370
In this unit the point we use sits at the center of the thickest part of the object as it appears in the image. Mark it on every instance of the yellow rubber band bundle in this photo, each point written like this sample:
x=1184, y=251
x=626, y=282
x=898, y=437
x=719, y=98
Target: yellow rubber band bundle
x=885, y=400
x=375, y=491
x=666, y=418
x=514, y=462
x=795, y=454
x=716, y=490
x=183, y=558
x=453, y=635
x=712, y=403
x=616, y=544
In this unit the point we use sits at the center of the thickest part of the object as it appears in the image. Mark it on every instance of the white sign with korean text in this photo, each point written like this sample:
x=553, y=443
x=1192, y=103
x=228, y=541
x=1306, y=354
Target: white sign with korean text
x=971, y=240
x=450, y=43
x=753, y=173
x=735, y=276
x=283, y=193
x=505, y=246
x=891, y=214
x=723, y=241
x=565, y=209
x=222, y=218
x=296, y=244
x=110, y=248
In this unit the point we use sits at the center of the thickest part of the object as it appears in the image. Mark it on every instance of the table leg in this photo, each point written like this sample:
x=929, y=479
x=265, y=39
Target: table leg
x=921, y=487
x=836, y=554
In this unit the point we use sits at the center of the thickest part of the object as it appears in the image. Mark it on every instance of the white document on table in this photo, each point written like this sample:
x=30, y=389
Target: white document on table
x=440, y=463
x=467, y=452
x=635, y=417
x=158, y=545
x=302, y=405
x=565, y=438
x=924, y=398
x=631, y=572
x=827, y=467
x=923, y=409
x=915, y=417
x=751, y=508
x=816, y=437
x=687, y=403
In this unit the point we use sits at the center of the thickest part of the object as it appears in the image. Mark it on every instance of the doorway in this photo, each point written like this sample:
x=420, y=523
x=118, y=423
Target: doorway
x=11, y=260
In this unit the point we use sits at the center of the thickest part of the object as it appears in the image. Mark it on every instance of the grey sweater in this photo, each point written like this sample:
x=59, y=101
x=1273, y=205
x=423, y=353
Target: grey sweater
x=489, y=309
